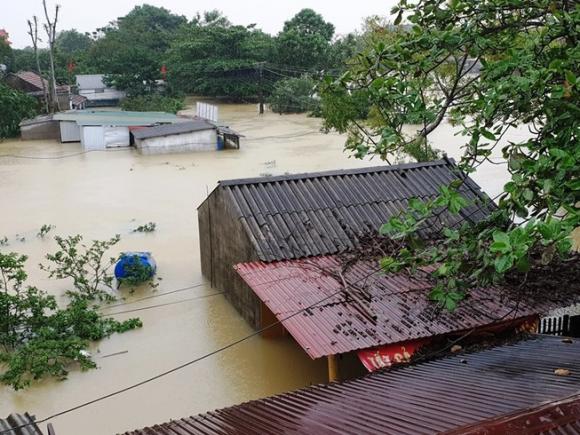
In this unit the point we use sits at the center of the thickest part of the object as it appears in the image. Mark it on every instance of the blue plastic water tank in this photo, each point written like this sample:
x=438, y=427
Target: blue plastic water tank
x=129, y=258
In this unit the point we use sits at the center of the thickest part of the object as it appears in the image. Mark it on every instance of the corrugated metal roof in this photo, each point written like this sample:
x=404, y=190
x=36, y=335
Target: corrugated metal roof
x=558, y=416
x=171, y=129
x=33, y=78
x=90, y=81
x=19, y=424
x=321, y=213
x=375, y=310
x=422, y=399
x=112, y=117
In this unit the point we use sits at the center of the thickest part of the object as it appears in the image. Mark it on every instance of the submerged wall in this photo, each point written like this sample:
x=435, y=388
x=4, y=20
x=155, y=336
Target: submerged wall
x=205, y=140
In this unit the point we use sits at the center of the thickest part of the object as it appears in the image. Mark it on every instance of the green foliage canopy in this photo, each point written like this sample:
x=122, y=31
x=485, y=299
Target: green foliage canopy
x=15, y=106
x=529, y=56
x=305, y=41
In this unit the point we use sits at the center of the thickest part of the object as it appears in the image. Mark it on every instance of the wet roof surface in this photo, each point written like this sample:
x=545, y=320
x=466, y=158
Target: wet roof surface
x=376, y=309
x=114, y=117
x=422, y=399
x=171, y=129
x=305, y=215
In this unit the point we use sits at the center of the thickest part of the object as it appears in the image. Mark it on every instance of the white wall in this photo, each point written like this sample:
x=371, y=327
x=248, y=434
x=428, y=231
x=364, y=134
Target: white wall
x=70, y=131
x=117, y=137
x=92, y=137
x=205, y=140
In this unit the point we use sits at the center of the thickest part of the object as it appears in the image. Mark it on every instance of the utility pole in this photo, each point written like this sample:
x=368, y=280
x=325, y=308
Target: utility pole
x=261, y=86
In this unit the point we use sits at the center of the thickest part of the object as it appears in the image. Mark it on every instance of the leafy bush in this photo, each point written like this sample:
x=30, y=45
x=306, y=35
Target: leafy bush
x=15, y=106
x=37, y=338
x=153, y=103
x=86, y=265
x=293, y=95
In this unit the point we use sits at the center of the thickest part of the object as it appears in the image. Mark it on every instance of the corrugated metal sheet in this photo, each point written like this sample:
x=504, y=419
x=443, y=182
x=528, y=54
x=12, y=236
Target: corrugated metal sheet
x=422, y=399
x=90, y=81
x=375, y=309
x=171, y=129
x=113, y=117
x=19, y=424
x=32, y=78
x=69, y=131
x=321, y=213
x=554, y=417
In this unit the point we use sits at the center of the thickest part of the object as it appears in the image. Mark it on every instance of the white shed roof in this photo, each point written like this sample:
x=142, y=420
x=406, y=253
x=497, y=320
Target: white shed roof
x=90, y=81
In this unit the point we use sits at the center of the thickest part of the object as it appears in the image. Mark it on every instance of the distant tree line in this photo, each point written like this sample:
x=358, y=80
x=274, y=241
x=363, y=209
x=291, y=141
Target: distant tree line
x=207, y=55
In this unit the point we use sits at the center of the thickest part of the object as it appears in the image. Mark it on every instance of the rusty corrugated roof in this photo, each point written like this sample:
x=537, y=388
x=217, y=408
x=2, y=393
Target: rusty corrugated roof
x=33, y=78
x=376, y=309
x=558, y=416
x=296, y=216
x=422, y=399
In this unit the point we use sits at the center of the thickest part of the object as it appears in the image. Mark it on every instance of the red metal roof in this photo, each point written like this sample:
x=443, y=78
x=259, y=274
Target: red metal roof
x=559, y=416
x=376, y=309
x=32, y=78
x=425, y=398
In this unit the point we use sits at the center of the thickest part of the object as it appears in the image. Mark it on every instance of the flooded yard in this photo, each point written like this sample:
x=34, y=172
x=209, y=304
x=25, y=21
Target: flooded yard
x=100, y=194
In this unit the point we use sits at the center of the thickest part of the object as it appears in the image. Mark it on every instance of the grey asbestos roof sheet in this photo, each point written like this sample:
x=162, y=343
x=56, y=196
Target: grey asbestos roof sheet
x=322, y=213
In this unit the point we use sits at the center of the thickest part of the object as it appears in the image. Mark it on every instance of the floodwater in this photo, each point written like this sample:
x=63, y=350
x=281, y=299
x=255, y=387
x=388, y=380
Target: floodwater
x=100, y=194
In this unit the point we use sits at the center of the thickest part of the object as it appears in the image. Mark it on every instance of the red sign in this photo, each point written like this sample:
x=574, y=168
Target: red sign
x=164, y=71
x=385, y=356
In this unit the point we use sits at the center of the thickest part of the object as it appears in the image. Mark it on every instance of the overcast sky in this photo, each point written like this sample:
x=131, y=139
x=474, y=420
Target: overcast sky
x=269, y=15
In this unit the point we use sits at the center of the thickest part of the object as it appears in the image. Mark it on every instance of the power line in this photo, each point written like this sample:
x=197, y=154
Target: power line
x=188, y=363
x=164, y=305
x=156, y=295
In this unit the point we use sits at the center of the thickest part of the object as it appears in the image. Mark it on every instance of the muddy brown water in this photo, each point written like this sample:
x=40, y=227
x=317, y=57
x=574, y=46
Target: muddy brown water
x=100, y=194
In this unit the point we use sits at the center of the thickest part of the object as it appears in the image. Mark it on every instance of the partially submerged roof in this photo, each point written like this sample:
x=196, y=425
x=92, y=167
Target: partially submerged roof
x=295, y=216
x=189, y=126
x=116, y=118
x=424, y=398
x=374, y=309
x=19, y=424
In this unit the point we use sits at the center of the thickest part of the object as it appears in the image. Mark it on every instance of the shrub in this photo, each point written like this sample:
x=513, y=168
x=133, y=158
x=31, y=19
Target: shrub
x=37, y=338
x=15, y=106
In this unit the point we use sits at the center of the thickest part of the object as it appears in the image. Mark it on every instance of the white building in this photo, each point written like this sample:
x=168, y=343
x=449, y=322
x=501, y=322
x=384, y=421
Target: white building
x=97, y=93
x=97, y=130
x=195, y=135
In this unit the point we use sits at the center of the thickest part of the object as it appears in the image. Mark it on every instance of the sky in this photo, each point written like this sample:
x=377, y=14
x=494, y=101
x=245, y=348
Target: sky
x=269, y=15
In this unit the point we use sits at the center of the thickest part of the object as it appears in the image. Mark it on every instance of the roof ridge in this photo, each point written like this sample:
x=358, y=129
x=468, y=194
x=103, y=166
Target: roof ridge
x=339, y=172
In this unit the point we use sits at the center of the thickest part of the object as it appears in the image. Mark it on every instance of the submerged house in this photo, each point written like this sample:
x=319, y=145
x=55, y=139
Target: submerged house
x=274, y=246
x=298, y=216
x=93, y=88
x=98, y=130
x=193, y=135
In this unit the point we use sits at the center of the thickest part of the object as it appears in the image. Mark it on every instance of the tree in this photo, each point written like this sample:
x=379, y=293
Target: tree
x=15, y=106
x=6, y=55
x=487, y=66
x=33, y=33
x=130, y=50
x=293, y=95
x=305, y=41
x=37, y=338
x=72, y=43
x=50, y=30
x=218, y=59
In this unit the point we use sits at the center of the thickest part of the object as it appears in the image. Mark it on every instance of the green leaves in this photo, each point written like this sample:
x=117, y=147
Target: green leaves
x=39, y=339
